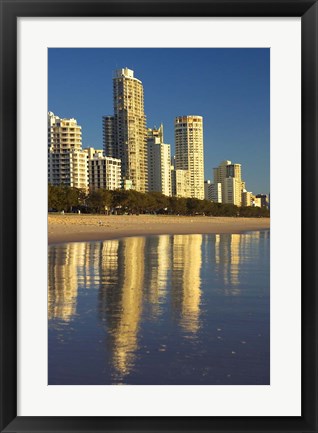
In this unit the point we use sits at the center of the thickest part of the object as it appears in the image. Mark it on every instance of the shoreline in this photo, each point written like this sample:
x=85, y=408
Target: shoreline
x=88, y=228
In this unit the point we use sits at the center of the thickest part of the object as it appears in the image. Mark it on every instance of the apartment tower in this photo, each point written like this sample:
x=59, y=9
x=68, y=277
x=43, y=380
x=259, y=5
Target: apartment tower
x=159, y=166
x=67, y=162
x=125, y=133
x=104, y=171
x=208, y=190
x=189, y=152
x=230, y=177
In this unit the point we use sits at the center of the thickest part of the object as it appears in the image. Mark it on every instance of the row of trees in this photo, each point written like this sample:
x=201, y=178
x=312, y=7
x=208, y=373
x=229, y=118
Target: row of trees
x=64, y=198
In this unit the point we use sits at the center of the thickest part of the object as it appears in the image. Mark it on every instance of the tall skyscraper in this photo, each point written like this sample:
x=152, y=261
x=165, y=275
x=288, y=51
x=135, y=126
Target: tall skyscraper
x=189, y=152
x=67, y=162
x=159, y=168
x=109, y=136
x=125, y=133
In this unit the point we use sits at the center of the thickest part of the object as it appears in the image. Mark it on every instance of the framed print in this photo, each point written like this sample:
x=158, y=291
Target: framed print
x=165, y=238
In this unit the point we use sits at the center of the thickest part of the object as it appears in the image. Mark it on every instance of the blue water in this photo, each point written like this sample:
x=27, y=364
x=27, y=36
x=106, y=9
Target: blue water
x=181, y=309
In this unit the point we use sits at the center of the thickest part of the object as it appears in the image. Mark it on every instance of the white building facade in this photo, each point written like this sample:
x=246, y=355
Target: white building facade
x=104, y=171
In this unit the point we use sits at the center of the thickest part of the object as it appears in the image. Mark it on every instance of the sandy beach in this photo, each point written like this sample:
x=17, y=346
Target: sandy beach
x=80, y=228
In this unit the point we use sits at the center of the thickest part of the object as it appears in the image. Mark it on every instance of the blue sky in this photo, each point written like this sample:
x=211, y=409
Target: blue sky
x=230, y=88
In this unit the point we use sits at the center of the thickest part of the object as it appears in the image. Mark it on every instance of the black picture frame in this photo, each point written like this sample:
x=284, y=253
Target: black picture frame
x=10, y=11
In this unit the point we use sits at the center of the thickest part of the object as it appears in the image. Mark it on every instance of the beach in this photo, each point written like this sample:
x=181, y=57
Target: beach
x=81, y=227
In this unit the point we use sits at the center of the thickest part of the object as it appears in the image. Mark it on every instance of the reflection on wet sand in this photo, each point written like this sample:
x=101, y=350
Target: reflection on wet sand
x=157, y=264
x=63, y=281
x=227, y=259
x=186, y=290
x=132, y=274
x=231, y=252
x=125, y=326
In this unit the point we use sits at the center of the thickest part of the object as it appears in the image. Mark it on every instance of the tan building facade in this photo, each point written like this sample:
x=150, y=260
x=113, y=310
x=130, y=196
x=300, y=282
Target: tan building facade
x=183, y=188
x=216, y=192
x=159, y=166
x=220, y=172
x=189, y=152
x=246, y=198
x=208, y=190
x=256, y=201
x=125, y=134
x=229, y=175
x=232, y=191
x=67, y=162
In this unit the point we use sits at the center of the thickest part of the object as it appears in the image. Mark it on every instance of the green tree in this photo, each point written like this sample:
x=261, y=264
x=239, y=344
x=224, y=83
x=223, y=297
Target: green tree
x=99, y=200
x=63, y=197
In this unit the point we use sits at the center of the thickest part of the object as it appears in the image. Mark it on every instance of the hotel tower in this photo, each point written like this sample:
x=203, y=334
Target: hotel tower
x=125, y=133
x=159, y=166
x=67, y=162
x=229, y=175
x=189, y=153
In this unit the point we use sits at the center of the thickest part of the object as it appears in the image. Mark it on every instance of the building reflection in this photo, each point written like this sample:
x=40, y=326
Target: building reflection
x=121, y=301
x=232, y=251
x=138, y=278
x=76, y=266
x=131, y=287
x=227, y=261
x=157, y=265
x=63, y=280
x=128, y=273
x=186, y=281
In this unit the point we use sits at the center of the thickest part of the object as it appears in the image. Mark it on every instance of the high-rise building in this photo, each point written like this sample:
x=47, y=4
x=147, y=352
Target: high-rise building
x=234, y=170
x=208, y=190
x=232, y=191
x=173, y=178
x=230, y=177
x=189, y=152
x=67, y=162
x=219, y=173
x=104, y=171
x=246, y=198
x=159, y=167
x=256, y=201
x=109, y=139
x=216, y=190
x=183, y=183
x=264, y=200
x=125, y=133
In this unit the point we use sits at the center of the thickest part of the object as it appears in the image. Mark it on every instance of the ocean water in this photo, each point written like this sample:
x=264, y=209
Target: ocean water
x=160, y=310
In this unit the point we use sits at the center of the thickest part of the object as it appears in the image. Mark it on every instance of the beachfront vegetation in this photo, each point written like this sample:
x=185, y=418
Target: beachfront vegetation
x=67, y=199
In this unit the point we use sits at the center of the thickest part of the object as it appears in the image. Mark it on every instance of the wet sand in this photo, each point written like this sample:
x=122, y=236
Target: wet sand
x=80, y=228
